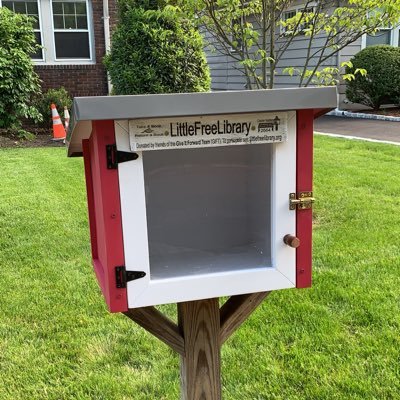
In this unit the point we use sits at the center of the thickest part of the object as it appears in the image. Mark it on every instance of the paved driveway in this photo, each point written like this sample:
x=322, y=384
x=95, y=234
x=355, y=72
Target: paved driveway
x=363, y=128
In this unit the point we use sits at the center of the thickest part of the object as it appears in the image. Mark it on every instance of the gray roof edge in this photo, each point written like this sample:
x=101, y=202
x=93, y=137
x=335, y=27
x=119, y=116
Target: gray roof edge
x=164, y=105
x=87, y=109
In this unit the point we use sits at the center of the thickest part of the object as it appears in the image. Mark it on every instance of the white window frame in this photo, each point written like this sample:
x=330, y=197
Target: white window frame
x=297, y=9
x=46, y=23
x=394, y=36
x=89, y=30
x=231, y=49
x=40, y=30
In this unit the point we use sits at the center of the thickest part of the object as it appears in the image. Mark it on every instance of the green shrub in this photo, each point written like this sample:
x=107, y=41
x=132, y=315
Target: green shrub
x=59, y=97
x=381, y=85
x=18, y=81
x=155, y=51
x=124, y=5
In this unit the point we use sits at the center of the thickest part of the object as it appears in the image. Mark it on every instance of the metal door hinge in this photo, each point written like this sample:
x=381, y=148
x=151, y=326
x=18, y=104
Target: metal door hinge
x=122, y=276
x=301, y=201
x=115, y=157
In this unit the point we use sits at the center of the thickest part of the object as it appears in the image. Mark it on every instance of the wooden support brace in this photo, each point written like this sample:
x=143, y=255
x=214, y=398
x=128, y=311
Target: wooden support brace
x=236, y=310
x=158, y=325
x=202, y=329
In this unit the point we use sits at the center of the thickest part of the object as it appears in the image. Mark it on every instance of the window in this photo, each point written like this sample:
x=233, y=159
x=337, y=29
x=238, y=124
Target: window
x=292, y=13
x=236, y=35
x=30, y=8
x=71, y=34
x=380, y=37
x=62, y=27
x=289, y=14
x=383, y=36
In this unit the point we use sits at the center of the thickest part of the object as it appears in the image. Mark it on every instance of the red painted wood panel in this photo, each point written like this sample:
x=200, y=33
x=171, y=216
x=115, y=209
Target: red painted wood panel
x=88, y=160
x=105, y=214
x=304, y=183
x=90, y=198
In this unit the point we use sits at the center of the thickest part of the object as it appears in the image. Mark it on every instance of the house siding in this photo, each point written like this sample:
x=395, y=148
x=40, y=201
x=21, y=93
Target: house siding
x=226, y=73
x=224, y=70
x=345, y=55
x=295, y=56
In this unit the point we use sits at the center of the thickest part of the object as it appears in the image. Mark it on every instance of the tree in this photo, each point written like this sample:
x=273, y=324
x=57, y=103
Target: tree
x=257, y=34
x=155, y=50
x=18, y=81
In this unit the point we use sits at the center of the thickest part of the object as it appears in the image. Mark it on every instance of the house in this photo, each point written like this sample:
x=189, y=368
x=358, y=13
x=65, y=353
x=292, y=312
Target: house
x=226, y=73
x=74, y=35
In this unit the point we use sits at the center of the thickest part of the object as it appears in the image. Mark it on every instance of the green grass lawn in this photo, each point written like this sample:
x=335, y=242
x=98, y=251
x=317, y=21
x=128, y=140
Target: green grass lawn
x=338, y=340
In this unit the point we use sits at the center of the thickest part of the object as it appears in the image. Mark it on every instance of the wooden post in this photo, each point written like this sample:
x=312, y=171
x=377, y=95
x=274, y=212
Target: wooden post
x=199, y=322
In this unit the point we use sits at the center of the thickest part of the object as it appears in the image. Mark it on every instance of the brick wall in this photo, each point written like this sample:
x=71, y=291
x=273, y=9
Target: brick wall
x=82, y=80
x=112, y=9
x=79, y=80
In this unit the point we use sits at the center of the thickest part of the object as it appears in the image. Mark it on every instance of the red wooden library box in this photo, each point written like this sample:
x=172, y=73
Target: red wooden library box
x=199, y=195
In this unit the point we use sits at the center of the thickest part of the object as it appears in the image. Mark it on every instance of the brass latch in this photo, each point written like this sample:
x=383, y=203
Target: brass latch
x=303, y=201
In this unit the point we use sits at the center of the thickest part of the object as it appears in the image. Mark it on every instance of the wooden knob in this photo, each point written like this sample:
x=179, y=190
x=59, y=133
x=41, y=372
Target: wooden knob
x=291, y=241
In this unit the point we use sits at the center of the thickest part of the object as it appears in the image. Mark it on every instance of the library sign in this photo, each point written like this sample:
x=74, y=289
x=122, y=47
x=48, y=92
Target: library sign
x=207, y=131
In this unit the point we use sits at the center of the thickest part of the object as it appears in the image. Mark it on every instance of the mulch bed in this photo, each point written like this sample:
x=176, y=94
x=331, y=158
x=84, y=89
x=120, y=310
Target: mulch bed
x=42, y=139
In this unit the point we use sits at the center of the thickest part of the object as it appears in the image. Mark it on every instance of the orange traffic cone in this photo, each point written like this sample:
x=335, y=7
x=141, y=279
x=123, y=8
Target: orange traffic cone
x=66, y=118
x=58, y=128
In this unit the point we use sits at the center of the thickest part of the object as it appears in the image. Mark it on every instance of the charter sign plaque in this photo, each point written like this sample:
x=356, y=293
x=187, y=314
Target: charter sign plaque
x=207, y=131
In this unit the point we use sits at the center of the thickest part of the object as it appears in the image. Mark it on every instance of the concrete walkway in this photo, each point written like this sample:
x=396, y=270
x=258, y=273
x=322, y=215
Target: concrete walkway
x=386, y=131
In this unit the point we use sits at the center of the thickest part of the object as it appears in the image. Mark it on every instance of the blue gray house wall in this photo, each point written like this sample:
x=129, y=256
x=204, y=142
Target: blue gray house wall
x=226, y=74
